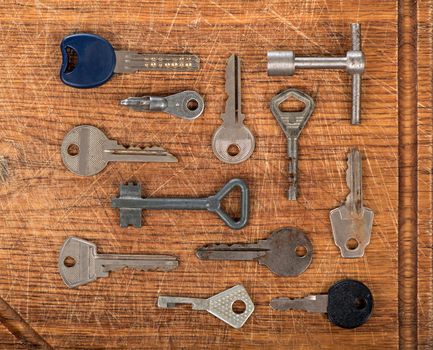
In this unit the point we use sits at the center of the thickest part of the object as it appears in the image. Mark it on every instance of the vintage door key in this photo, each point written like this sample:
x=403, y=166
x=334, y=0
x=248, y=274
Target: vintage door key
x=348, y=304
x=220, y=305
x=79, y=263
x=186, y=104
x=233, y=133
x=352, y=222
x=292, y=124
x=89, y=61
x=286, y=252
x=131, y=204
x=86, y=151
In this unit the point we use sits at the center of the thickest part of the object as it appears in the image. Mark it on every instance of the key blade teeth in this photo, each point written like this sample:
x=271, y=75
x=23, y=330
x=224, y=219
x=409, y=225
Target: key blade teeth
x=310, y=303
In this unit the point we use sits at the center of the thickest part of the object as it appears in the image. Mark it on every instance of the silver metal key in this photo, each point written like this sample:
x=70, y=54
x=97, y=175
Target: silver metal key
x=86, y=151
x=286, y=252
x=292, y=124
x=233, y=142
x=220, y=305
x=79, y=263
x=186, y=104
x=352, y=222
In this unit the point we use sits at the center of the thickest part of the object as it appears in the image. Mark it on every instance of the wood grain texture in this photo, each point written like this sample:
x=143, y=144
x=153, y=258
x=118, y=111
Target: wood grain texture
x=42, y=203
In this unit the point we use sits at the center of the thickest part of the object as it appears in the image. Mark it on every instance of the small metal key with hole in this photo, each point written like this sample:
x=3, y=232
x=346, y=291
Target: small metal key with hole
x=131, y=204
x=79, y=263
x=292, y=124
x=286, y=252
x=352, y=222
x=233, y=142
x=86, y=151
x=186, y=104
x=220, y=305
x=89, y=61
x=348, y=304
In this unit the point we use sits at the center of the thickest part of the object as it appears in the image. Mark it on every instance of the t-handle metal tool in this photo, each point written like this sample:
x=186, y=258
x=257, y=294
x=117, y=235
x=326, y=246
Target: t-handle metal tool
x=285, y=63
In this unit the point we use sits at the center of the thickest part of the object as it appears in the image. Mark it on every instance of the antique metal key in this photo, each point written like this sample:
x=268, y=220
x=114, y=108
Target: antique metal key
x=90, y=61
x=286, y=252
x=86, y=151
x=220, y=305
x=352, y=222
x=233, y=142
x=79, y=263
x=348, y=304
x=131, y=204
x=292, y=124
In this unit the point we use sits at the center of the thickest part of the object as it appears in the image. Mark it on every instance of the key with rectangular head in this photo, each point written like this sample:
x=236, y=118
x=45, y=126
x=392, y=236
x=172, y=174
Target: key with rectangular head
x=86, y=151
x=79, y=262
x=220, y=305
x=131, y=204
x=352, y=222
x=292, y=123
x=348, y=304
x=233, y=142
x=89, y=61
x=286, y=252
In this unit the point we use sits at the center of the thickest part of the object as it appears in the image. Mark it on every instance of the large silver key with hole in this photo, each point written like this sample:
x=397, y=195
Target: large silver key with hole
x=352, y=222
x=86, y=151
x=220, y=305
x=286, y=252
x=233, y=142
x=292, y=124
x=186, y=104
x=79, y=263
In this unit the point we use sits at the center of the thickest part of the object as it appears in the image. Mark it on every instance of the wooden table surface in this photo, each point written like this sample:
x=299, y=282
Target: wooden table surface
x=42, y=203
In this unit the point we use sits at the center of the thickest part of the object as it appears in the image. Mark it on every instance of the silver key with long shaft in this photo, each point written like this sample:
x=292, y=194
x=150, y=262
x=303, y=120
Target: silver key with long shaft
x=220, y=305
x=292, y=123
x=86, y=151
x=352, y=222
x=233, y=142
x=79, y=262
x=186, y=104
x=286, y=252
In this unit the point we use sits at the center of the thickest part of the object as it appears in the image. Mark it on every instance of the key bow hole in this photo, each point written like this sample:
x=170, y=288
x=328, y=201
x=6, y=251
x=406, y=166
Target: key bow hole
x=72, y=59
x=292, y=104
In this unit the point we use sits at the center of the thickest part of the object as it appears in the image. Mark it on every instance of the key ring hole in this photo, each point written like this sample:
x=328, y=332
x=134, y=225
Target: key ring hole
x=73, y=150
x=72, y=59
x=233, y=150
x=292, y=104
x=192, y=104
x=352, y=244
x=69, y=261
x=301, y=251
x=239, y=307
x=360, y=303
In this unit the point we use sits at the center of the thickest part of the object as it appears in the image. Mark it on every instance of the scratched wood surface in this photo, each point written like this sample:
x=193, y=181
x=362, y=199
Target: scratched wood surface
x=42, y=203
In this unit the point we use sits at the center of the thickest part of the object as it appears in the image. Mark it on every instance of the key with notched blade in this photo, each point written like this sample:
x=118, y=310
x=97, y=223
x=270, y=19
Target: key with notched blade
x=292, y=123
x=352, y=222
x=86, y=151
x=79, y=262
x=286, y=252
x=348, y=304
x=220, y=305
x=89, y=60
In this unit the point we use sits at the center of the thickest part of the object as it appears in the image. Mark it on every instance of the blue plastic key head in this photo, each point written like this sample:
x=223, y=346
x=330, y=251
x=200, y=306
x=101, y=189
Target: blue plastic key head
x=95, y=60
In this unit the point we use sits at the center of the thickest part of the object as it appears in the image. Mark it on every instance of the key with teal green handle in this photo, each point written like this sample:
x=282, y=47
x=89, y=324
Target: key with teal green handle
x=89, y=60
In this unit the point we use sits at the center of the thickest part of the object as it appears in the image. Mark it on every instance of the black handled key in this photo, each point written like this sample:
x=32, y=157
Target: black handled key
x=348, y=304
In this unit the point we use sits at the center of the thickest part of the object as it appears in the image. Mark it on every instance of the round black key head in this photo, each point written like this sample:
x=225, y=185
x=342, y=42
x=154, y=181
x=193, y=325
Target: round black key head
x=350, y=304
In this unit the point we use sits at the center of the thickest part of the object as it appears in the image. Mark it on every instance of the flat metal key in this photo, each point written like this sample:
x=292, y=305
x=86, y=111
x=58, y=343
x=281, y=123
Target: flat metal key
x=348, y=304
x=79, y=262
x=292, y=123
x=286, y=252
x=89, y=61
x=352, y=222
x=131, y=204
x=186, y=104
x=220, y=305
x=233, y=142
x=86, y=151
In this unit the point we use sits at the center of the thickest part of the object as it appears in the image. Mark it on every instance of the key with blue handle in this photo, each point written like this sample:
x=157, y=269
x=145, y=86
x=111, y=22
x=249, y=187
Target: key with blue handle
x=89, y=60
